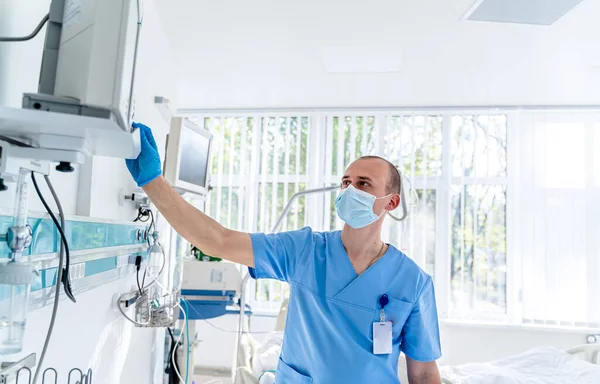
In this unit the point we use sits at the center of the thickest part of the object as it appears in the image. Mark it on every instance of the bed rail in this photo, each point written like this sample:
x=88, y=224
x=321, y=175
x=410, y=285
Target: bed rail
x=589, y=352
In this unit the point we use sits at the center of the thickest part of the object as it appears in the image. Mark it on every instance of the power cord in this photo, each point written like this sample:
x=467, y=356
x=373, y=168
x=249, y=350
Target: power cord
x=138, y=266
x=59, y=272
x=28, y=37
x=187, y=337
x=125, y=315
x=144, y=214
x=66, y=281
x=178, y=342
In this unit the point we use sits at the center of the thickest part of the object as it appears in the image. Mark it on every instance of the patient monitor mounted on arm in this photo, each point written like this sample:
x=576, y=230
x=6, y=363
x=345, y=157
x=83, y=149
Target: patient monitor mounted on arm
x=85, y=100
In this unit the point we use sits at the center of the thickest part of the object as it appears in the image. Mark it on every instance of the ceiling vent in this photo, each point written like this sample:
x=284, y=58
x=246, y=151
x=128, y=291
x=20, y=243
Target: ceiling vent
x=537, y=12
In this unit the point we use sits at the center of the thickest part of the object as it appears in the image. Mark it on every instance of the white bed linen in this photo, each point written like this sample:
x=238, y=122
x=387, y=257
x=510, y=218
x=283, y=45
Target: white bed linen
x=266, y=356
x=256, y=361
x=544, y=365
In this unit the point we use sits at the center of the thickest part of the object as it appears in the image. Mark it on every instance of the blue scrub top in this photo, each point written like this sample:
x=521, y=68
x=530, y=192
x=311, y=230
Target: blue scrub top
x=329, y=331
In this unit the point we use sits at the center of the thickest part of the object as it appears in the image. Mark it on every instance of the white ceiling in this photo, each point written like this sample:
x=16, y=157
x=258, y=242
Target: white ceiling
x=267, y=53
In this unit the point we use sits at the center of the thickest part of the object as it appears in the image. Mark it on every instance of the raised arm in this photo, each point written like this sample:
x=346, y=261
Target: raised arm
x=196, y=227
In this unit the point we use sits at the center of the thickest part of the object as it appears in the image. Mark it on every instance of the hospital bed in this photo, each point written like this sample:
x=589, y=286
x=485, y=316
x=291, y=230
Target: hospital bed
x=542, y=365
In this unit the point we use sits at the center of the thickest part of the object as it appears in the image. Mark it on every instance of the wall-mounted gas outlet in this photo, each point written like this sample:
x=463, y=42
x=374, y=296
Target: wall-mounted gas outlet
x=593, y=339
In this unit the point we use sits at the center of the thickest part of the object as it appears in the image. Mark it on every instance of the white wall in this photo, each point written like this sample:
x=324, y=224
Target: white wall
x=81, y=327
x=92, y=333
x=266, y=54
x=463, y=343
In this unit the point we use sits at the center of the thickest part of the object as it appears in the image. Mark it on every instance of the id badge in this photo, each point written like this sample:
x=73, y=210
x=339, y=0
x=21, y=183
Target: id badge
x=382, y=338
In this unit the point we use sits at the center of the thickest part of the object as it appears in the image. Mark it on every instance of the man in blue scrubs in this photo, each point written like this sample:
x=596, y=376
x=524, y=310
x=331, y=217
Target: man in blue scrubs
x=355, y=302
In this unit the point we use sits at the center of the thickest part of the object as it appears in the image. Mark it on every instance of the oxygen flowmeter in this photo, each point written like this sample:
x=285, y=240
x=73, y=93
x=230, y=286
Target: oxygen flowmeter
x=16, y=277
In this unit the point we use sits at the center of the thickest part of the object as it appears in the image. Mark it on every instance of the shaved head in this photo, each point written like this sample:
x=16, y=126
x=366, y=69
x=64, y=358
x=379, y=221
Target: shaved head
x=394, y=182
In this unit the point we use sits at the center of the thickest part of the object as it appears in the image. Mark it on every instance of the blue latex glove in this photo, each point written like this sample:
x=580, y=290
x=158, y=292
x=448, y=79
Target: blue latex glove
x=147, y=166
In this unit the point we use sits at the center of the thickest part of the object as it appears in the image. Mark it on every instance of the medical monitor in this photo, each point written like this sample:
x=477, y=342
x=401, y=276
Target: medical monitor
x=187, y=161
x=97, y=55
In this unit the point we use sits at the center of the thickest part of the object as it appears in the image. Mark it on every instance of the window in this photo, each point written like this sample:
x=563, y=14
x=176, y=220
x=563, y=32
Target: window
x=501, y=212
x=259, y=163
x=478, y=215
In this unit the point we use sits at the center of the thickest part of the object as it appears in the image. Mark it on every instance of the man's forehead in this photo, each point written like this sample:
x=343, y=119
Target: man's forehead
x=372, y=168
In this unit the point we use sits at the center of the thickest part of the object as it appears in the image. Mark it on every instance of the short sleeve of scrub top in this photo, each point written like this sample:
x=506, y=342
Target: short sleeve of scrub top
x=276, y=256
x=421, y=338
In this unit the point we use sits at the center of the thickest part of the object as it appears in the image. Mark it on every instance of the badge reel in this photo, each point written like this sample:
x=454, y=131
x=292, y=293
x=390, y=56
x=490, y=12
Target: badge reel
x=382, y=331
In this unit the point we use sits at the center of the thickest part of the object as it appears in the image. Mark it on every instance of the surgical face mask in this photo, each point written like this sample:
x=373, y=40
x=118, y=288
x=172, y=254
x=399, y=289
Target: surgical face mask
x=355, y=207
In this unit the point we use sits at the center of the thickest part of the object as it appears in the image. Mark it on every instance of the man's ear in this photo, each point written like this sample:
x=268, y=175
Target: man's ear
x=394, y=203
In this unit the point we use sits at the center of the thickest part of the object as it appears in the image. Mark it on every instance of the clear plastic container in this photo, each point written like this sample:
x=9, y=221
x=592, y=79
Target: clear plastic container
x=15, y=284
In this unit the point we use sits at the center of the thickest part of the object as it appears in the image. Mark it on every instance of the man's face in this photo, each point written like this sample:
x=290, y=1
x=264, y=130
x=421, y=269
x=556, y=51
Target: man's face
x=371, y=176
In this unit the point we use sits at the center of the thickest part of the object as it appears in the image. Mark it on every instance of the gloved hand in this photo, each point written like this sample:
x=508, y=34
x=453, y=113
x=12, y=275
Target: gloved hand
x=147, y=166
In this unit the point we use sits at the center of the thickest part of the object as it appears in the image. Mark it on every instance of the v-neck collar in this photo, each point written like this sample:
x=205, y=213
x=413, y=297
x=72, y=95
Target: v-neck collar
x=349, y=262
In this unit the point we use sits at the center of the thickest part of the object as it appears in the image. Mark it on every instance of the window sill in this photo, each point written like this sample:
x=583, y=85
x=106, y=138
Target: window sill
x=524, y=327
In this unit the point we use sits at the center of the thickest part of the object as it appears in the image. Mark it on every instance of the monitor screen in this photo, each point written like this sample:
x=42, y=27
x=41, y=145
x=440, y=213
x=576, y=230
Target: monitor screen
x=194, y=153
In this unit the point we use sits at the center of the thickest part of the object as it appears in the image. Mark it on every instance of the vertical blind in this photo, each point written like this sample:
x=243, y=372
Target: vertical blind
x=490, y=216
x=558, y=194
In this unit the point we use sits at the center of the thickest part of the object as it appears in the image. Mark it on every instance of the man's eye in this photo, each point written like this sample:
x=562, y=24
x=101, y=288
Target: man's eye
x=365, y=184
x=345, y=183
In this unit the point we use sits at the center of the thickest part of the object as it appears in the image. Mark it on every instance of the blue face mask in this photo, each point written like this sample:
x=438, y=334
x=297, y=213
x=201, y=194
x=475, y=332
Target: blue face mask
x=355, y=207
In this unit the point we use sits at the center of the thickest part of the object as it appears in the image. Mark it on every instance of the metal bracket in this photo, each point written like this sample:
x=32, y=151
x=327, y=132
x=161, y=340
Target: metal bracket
x=7, y=369
x=14, y=157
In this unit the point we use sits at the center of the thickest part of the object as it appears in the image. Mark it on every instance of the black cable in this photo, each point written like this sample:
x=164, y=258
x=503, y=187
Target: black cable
x=142, y=215
x=152, y=219
x=14, y=142
x=137, y=278
x=65, y=278
x=172, y=376
x=28, y=37
x=172, y=336
x=61, y=259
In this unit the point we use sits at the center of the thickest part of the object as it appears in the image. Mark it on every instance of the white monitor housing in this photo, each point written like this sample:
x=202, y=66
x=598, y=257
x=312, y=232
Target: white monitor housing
x=96, y=61
x=187, y=161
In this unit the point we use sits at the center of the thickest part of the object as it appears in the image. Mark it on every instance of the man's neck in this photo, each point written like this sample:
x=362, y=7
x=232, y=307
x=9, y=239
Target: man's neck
x=362, y=244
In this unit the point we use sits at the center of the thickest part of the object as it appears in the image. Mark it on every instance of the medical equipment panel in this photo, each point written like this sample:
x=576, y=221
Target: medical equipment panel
x=210, y=288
